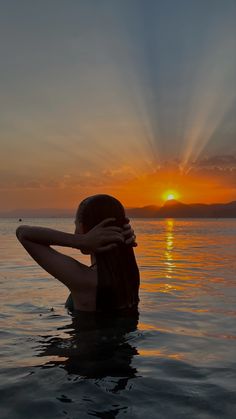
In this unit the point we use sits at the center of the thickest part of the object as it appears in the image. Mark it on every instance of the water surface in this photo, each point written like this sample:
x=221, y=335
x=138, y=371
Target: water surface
x=175, y=360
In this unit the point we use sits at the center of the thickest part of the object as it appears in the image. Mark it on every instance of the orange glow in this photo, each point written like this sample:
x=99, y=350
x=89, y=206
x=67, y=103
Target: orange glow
x=193, y=187
x=150, y=188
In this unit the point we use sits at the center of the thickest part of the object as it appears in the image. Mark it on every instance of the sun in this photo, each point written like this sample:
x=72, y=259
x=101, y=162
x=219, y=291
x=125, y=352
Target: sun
x=169, y=195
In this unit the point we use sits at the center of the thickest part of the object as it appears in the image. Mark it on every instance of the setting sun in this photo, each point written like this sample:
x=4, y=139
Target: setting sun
x=170, y=194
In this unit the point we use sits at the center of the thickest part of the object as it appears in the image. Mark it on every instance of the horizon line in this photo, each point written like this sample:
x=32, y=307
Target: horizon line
x=127, y=208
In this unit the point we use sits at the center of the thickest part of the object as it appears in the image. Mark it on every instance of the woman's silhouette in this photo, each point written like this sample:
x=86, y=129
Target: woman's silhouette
x=103, y=298
x=111, y=283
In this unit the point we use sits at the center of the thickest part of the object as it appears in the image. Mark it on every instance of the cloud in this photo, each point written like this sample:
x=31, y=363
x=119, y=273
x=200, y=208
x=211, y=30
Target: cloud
x=221, y=162
x=120, y=173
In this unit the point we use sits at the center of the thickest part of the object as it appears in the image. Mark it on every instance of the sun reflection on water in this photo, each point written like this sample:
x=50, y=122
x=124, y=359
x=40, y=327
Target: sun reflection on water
x=169, y=245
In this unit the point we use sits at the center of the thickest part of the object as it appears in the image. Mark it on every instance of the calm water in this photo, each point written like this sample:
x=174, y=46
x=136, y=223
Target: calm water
x=176, y=361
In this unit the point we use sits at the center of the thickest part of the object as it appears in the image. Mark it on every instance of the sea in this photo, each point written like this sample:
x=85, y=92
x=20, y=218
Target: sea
x=176, y=358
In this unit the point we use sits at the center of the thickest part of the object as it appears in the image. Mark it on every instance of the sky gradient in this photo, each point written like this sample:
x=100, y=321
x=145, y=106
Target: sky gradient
x=125, y=97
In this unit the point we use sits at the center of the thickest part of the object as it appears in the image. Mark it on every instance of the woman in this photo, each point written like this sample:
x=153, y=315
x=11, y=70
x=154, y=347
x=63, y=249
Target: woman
x=102, y=230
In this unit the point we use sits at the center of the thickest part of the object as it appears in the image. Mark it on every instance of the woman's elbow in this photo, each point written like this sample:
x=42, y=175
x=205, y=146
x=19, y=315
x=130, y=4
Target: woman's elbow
x=20, y=232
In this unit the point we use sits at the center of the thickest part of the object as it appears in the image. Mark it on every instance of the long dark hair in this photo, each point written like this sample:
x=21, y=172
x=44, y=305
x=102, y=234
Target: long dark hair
x=118, y=274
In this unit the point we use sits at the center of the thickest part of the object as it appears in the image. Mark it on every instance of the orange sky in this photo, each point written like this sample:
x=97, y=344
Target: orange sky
x=118, y=99
x=198, y=185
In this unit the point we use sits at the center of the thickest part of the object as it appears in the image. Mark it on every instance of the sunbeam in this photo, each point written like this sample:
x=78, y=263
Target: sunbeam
x=213, y=93
x=122, y=97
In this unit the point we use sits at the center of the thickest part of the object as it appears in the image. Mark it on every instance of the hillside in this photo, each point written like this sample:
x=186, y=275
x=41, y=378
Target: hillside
x=176, y=209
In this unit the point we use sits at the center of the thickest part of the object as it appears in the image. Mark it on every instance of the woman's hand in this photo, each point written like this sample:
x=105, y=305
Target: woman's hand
x=129, y=234
x=103, y=237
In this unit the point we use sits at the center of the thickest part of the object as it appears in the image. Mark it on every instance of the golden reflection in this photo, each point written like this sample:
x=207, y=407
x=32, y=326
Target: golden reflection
x=146, y=326
x=162, y=287
x=169, y=248
x=159, y=353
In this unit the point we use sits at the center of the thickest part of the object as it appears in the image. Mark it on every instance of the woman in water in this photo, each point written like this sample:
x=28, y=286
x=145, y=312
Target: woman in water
x=111, y=283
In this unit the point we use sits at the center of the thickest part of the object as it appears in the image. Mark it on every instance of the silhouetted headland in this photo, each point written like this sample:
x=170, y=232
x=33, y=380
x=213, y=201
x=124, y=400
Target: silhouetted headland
x=176, y=209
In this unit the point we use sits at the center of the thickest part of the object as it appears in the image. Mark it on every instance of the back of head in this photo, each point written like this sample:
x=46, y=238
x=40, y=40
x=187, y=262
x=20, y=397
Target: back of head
x=118, y=274
x=97, y=208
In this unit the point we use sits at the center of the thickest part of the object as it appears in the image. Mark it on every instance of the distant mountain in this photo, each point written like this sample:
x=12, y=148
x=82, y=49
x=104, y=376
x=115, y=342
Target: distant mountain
x=176, y=209
x=170, y=209
x=148, y=211
x=172, y=203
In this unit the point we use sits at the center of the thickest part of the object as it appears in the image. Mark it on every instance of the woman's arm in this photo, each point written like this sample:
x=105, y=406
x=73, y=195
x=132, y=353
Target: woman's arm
x=48, y=236
x=100, y=238
x=38, y=241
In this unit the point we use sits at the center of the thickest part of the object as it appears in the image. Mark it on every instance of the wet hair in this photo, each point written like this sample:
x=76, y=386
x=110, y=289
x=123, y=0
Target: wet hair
x=118, y=274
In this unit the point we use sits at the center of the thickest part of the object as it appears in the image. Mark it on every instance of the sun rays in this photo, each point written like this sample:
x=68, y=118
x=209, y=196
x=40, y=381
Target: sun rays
x=212, y=93
x=155, y=109
x=124, y=99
